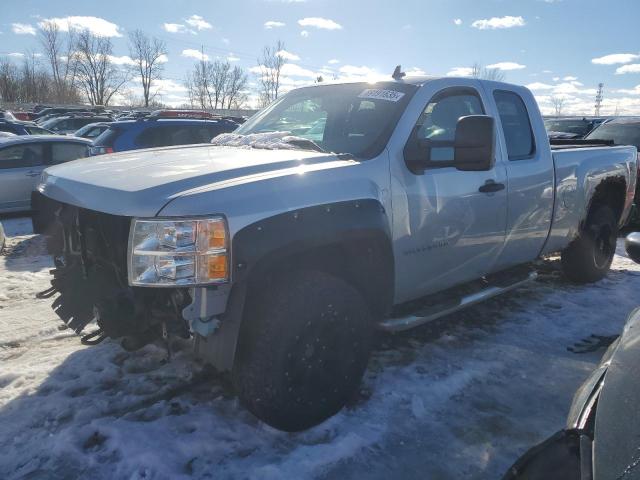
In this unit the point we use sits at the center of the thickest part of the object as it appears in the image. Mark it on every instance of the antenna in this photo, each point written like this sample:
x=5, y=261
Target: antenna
x=398, y=74
x=599, y=97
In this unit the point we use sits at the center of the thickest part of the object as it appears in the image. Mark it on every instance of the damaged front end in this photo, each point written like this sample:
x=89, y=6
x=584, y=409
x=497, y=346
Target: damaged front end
x=90, y=280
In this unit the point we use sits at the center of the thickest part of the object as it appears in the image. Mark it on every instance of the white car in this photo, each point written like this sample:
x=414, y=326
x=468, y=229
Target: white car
x=22, y=160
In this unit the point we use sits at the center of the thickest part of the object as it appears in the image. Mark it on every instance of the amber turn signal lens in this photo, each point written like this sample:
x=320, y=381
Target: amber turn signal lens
x=217, y=267
x=217, y=235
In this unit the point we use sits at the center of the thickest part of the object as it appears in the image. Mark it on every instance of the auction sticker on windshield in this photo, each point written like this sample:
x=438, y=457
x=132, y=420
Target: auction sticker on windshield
x=375, y=93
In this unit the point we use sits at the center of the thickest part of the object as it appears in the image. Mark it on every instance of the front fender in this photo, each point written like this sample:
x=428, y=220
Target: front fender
x=351, y=239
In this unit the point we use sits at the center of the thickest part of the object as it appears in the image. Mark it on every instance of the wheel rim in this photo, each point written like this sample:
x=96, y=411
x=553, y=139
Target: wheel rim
x=604, y=245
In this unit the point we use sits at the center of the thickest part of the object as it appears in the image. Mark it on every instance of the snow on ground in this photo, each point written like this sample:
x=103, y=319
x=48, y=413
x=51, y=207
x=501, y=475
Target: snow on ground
x=461, y=397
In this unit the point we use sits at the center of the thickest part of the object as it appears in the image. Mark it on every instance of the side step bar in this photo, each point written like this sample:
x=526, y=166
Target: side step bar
x=431, y=312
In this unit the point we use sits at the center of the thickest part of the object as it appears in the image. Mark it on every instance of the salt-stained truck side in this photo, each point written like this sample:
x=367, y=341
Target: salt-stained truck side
x=338, y=209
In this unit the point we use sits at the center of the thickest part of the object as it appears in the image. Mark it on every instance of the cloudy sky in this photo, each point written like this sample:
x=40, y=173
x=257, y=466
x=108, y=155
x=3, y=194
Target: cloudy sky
x=559, y=48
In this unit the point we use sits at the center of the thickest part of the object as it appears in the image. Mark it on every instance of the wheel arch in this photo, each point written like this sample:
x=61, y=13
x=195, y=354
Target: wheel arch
x=350, y=239
x=612, y=192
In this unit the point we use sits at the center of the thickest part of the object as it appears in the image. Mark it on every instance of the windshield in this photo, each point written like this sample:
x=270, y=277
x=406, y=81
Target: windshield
x=353, y=118
x=578, y=127
x=619, y=133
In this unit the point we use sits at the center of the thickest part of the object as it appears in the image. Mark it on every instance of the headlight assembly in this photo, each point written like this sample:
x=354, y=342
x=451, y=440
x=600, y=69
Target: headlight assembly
x=178, y=252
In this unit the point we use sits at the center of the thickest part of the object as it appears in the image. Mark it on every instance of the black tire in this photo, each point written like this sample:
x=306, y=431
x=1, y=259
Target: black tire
x=304, y=346
x=588, y=258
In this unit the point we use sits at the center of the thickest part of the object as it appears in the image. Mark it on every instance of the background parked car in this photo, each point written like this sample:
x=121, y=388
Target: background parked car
x=22, y=128
x=92, y=130
x=600, y=439
x=22, y=160
x=68, y=124
x=164, y=128
x=571, y=127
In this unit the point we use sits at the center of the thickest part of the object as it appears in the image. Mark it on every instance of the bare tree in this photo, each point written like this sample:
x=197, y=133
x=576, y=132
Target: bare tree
x=9, y=82
x=216, y=85
x=270, y=64
x=235, y=88
x=148, y=55
x=98, y=76
x=558, y=104
x=59, y=53
x=478, y=71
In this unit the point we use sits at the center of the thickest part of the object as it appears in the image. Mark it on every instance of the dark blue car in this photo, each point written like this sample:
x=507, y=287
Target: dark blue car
x=22, y=128
x=161, y=129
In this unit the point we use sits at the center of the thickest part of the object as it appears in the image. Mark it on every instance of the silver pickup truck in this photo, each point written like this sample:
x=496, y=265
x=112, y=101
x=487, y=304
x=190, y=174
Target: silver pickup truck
x=336, y=210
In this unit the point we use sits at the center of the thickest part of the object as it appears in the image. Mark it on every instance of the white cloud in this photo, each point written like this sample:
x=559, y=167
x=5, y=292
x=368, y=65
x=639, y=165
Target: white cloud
x=460, y=72
x=355, y=70
x=23, y=29
x=634, y=91
x=615, y=58
x=304, y=33
x=506, y=66
x=333, y=61
x=197, y=54
x=232, y=58
x=199, y=23
x=633, y=68
x=174, y=27
x=123, y=60
x=457, y=21
x=16, y=54
x=97, y=26
x=273, y=24
x=539, y=86
x=292, y=57
x=570, y=79
x=498, y=22
x=163, y=59
x=319, y=22
x=415, y=72
x=293, y=70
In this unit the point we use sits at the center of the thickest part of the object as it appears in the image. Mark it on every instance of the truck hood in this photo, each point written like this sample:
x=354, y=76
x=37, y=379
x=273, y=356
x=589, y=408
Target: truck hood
x=141, y=182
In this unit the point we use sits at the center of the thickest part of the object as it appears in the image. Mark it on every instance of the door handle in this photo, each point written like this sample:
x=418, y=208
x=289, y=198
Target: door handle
x=490, y=186
x=32, y=174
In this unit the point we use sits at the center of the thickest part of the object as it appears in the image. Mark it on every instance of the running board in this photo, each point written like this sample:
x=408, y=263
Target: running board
x=432, y=312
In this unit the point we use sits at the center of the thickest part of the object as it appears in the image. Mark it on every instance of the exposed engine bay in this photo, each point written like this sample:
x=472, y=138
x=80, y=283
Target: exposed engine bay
x=90, y=284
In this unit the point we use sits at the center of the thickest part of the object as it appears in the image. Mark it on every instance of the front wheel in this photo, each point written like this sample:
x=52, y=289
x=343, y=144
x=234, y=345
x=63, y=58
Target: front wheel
x=588, y=258
x=304, y=346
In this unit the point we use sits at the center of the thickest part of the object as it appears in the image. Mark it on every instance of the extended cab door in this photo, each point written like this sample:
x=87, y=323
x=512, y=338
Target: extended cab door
x=448, y=225
x=530, y=173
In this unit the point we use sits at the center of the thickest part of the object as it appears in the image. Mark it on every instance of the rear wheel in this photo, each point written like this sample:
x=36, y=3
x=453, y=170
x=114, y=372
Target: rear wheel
x=304, y=346
x=588, y=258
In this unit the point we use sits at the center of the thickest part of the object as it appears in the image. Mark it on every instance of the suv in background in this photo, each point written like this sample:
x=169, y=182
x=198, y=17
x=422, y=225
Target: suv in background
x=22, y=128
x=162, y=129
x=68, y=124
x=571, y=128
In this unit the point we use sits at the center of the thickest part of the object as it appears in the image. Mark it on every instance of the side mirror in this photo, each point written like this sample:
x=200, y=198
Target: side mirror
x=474, y=143
x=632, y=246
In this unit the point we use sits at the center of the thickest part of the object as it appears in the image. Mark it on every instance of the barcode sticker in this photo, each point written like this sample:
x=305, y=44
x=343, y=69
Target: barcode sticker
x=378, y=94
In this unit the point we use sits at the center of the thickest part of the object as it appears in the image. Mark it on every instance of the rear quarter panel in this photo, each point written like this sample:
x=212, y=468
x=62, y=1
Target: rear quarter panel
x=578, y=172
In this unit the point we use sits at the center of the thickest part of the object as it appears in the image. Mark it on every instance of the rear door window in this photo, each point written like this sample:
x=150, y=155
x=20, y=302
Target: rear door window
x=518, y=134
x=62, y=152
x=22, y=156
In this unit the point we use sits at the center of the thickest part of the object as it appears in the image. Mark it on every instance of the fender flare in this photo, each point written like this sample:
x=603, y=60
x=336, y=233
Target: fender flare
x=357, y=233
